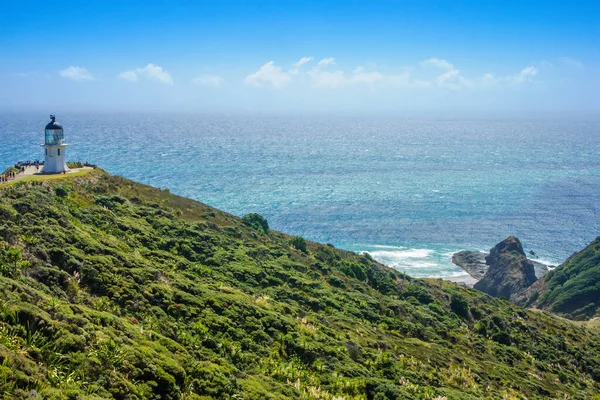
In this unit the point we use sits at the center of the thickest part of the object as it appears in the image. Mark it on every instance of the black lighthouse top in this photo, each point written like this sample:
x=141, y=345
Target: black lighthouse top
x=53, y=124
x=54, y=133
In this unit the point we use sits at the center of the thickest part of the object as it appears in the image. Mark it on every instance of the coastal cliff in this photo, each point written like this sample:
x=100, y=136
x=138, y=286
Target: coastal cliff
x=115, y=290
x=572, y=289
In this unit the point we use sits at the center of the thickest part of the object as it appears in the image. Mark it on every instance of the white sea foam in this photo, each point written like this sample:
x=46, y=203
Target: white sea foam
x=417, y=262
x=547, y=263
x=385, y=246
x=402, y=254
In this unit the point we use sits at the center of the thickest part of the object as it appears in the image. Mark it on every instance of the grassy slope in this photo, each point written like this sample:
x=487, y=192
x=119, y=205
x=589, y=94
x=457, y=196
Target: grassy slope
x=119, y=290
x=572, y=289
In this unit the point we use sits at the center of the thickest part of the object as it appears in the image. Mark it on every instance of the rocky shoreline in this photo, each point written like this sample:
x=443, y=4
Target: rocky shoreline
x=474, y=264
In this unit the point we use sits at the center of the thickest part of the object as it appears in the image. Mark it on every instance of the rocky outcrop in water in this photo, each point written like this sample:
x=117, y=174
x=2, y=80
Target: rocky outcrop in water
x=473, y=262
x=503, y=272
x=509, y=272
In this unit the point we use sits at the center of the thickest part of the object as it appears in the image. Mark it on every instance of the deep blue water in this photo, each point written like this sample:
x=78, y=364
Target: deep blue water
x=411, y=192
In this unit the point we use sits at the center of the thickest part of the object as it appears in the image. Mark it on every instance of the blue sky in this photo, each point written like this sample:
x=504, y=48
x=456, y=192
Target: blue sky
x=389, y=56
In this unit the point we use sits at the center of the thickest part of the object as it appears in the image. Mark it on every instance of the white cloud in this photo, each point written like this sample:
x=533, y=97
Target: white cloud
x=208, y=80
x=525, y=75
x=436, y=62
x=326, y=61
x=303, y=60
x=321, y=76
x=452, y=79
x=571, y=62
x=448, y=77
x=151, y=72
x=269, y=74
x=77, y=74
x=372, y=79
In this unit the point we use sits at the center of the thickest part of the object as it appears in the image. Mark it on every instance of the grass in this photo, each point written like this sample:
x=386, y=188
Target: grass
x=573, y=289
x=43, y=178
x=116, y=290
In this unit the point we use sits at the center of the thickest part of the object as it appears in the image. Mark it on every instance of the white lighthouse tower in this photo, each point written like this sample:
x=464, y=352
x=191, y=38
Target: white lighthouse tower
x=54, y=148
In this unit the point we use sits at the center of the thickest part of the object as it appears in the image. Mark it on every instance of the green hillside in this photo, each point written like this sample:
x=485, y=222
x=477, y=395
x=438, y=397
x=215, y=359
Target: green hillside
x=572, y=289
x=112, y=289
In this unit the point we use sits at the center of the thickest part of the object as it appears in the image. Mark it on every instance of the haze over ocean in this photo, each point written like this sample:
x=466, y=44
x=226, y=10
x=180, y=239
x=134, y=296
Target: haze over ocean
x=410, y=192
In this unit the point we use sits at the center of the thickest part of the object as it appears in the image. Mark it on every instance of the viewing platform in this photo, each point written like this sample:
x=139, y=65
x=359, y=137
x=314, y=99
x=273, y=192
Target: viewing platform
x=31, y=173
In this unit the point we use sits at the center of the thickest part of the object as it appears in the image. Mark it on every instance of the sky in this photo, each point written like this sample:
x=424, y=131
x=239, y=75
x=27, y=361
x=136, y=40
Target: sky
x=398, y=57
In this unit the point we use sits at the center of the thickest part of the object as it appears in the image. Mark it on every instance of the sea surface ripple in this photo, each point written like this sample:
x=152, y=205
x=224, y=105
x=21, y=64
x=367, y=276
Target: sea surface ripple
x=410, y=192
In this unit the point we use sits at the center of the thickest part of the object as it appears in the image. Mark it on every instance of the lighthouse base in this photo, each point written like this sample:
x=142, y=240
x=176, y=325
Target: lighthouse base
x=55, y=161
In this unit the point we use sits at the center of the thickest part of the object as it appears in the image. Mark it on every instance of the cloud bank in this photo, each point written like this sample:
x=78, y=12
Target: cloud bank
x=429, y=73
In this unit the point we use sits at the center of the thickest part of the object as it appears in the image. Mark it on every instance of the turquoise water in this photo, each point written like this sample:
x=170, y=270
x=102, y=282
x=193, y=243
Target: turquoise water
x=411, y=192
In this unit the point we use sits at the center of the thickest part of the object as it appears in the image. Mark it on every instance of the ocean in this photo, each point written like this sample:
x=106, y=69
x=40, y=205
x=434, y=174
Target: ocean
x=409, y=191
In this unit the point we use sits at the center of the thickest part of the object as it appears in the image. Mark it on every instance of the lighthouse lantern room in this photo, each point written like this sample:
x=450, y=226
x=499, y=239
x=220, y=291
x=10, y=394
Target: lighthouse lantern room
x=54, y=148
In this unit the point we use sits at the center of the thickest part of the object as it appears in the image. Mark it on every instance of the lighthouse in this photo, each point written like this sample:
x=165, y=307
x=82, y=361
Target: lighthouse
x=54, y=148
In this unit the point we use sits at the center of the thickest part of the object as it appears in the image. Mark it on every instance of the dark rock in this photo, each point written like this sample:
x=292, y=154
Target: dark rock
x=509, y=273
x=509, y=245
x=473, y=262
x=530, y=296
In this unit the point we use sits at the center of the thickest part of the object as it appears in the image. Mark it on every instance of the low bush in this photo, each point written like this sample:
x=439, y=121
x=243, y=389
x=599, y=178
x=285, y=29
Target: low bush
x=299, y=243
x=256, y=221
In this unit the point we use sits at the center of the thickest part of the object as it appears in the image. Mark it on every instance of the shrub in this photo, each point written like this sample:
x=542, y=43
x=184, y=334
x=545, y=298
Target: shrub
x=419, y=293
x=10, y=261
x=110, y=201
x=299, y=243
x=459, y=305
x=502, y=337
x=7, y=213
x=337, y=282
x=256, y=221
x=386, y=391
x=61, y=192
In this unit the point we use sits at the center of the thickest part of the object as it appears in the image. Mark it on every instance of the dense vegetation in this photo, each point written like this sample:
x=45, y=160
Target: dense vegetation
x=572, y=289
x=111, y=289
